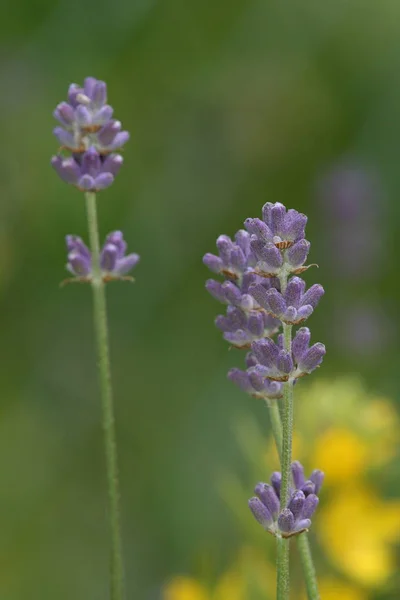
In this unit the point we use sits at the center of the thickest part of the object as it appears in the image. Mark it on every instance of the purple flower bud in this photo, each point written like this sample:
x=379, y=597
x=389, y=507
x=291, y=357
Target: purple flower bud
x=260, y=512
x=67, y=169
x=276, y=479
x=112, y=164
x=108, y=132
x=91, y=163
x=297, y=474
x=286, y=521
x=302, y=524
x=99, y=93
x=78, y=265
x=275, y=302
x=266, y=352
x=300, y=344
x=317, y=477
x=294, y=292
x=269, y=256
x=258, y=228
x=296, y=504
x=65, y=114
x=268, y=497
x=297, y=254
x=284, y=362
x=215, y=289
x=108, y=257
x=312, y=358
x=310, y=504
x=126, y=263
x=308, y=488
x=313, y=295
x=66, y=138
x=214, y=263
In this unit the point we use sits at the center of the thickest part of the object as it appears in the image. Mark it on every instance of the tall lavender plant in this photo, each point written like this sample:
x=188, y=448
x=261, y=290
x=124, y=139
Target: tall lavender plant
x=264, y=296
x=87, y=159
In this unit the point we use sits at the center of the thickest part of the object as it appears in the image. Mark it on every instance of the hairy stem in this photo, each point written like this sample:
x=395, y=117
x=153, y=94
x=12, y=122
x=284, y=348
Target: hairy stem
x=101, y=330
x=282, y=563
x=310, y=578
x=302, y=541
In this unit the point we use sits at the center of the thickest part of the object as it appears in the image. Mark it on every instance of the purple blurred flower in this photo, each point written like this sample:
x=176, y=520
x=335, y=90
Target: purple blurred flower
x=89, y=171
x=296, y=516
x=278, y=226
x=241, y=328
x=294, y=306
x=86, y=120
x=235, y=257
x=114, y=263
x=256, y=386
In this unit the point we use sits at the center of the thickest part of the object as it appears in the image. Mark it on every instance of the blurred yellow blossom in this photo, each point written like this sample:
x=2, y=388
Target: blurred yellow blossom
x=184, y=588
x=346, y=431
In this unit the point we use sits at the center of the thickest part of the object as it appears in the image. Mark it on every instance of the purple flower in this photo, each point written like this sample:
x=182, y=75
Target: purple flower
x=256, y=386
x=235, y=257
x=306, y=358
x=296, y=516
x=114, y=263
x=292, y=307
x=278, y=226
x=86, y=120
x=272, y=361
x=241, y=328
x=89, y=171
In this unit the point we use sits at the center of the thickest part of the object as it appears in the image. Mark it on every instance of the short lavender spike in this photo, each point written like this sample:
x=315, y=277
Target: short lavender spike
x=113, y=261
x=260, y=512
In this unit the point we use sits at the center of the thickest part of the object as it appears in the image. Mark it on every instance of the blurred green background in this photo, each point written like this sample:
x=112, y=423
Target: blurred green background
x=230, y=105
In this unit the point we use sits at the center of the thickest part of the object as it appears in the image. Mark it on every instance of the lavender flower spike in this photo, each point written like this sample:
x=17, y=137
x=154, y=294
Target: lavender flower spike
x=113, y=261
x=89, y=172
x=280, y=227
x=86, y=120
x=296, y=516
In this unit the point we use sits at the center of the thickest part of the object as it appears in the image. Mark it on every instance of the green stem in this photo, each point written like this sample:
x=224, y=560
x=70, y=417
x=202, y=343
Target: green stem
x=101, y=330
x=282, y=563
x=310, y=578
x=302, y=541
x=287, y=424
x=276, y=425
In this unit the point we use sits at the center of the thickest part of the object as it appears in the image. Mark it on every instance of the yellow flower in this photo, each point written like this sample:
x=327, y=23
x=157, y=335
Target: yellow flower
x=356, y=528
x=184, y=588
x=332, y=589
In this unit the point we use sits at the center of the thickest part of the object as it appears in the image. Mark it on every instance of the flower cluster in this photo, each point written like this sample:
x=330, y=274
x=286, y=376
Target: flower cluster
x=296, y=516
x=260, y=295
x=114, y=263
x=91, y=135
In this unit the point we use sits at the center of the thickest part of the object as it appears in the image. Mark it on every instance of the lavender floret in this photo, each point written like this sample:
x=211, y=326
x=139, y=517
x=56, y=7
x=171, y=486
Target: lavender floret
x=241, y=328
x=294, y=306
x=256, y=386
x=86, y=120
x=89, y=171
x=280, y=227
x=296, y=516
x=114, y=263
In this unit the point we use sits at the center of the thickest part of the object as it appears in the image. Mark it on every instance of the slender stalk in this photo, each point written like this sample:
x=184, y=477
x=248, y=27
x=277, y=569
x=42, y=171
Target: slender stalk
x=302, y=541
x=282, y=563
x=101, y=330
x=287, y=424
x=276, y=425
x=303, y=546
